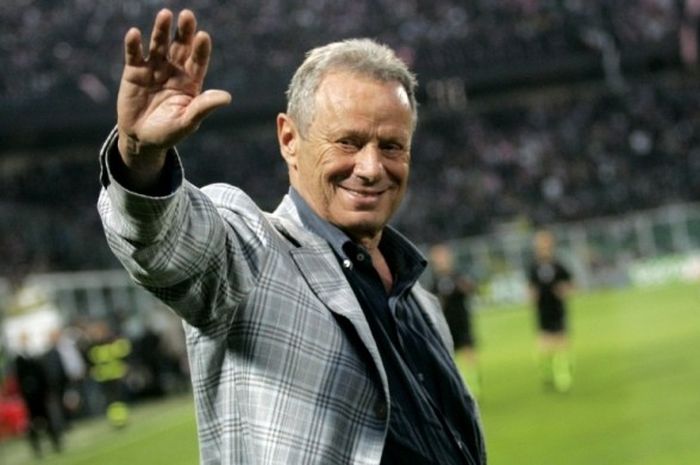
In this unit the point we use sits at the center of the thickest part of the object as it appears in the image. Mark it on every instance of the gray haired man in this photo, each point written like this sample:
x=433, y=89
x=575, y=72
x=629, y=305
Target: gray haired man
x=310, y=340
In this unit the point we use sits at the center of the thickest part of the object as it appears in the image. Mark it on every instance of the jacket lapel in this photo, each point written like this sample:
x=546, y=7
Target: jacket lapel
x=320, y=269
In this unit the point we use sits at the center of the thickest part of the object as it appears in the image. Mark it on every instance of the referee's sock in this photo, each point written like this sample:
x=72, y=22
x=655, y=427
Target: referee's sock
x=562, y=374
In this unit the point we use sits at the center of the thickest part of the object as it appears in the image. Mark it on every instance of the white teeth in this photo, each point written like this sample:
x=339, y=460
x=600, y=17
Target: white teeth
x=361, y=193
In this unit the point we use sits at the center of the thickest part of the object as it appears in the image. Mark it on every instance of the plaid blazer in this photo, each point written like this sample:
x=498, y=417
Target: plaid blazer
x=275, y=334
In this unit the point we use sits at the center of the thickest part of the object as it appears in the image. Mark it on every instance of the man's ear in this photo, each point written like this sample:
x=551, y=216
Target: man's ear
x=288, y=138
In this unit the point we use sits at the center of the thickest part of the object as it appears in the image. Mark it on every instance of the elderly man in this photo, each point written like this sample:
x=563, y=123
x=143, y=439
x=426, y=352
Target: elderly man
x=310, y=340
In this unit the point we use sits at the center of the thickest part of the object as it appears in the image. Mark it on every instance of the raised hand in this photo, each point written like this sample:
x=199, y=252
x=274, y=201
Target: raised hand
x=160, y=95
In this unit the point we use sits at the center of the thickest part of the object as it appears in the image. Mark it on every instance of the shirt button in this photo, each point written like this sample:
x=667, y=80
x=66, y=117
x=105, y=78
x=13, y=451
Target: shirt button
x=347, y=264
x=421, y=377
x=381, y=410
x=360, y=257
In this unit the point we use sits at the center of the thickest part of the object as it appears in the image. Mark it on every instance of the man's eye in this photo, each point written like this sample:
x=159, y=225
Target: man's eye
x=392, y=148
x=347, y=144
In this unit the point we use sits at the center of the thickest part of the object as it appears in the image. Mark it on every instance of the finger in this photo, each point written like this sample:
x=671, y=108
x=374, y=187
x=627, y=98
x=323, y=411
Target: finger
x=184, y=36
x=205, y=103
x=133, y=48
x=199, y=59
x=160, y=36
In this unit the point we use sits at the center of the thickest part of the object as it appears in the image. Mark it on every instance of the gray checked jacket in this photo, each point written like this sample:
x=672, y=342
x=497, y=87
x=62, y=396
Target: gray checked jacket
x=274, y=331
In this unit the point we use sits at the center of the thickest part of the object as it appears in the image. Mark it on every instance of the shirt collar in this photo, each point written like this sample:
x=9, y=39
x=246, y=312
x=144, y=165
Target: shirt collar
x=336, y=238
x=407, y=262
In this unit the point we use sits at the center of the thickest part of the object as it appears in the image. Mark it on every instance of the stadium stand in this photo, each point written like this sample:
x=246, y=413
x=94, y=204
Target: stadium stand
x=550, y=110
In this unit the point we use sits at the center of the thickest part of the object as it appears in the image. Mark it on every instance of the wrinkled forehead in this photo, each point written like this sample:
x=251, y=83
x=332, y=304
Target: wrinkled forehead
x=330, y=80
x=363, y=96
x=339, y=81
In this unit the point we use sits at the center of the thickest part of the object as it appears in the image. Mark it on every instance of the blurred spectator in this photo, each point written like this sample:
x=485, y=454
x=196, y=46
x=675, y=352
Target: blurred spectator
x=688, y=33
x=57, y=380
x=69, y=368
x=147, y=365
x=38, y=394
x=107, y=354
x=13, y=413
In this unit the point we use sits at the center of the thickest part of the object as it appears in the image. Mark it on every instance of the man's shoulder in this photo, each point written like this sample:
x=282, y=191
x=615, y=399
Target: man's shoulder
x=284, y=219
x=227, y=197
x=223, y=194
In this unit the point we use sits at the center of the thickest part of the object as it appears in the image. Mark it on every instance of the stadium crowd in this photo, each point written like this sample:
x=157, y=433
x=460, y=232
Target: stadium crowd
x=557, y=159
x=562, y=158
x=550, y=156
x=51, y=47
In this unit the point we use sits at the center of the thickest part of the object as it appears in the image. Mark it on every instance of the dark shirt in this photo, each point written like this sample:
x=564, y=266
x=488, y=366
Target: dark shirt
x=454, y=292
x=545, y=277
x=432, y=419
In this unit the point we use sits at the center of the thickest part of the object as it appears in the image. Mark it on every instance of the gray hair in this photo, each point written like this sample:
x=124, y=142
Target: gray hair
x=362, y=56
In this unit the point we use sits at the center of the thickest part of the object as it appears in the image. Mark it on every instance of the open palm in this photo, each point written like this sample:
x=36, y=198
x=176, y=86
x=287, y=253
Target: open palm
x=160, y=96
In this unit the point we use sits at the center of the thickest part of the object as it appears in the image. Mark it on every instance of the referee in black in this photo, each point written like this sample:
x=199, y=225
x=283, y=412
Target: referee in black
x=550, y=284
x=455, y=291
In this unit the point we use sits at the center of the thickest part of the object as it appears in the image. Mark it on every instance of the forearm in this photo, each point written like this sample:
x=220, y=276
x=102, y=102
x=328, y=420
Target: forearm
x=173, y=243
x=139, y=217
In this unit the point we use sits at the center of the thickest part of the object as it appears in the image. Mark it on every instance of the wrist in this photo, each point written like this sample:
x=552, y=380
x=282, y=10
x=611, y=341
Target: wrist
x=141, y=166
x=138, y=156
x=130, y=146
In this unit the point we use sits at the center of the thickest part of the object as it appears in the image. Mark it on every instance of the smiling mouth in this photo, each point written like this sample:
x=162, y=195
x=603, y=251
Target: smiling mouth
x=361, y=193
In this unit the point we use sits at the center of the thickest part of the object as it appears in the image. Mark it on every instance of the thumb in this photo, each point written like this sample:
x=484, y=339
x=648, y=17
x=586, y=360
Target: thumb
x=204, y=104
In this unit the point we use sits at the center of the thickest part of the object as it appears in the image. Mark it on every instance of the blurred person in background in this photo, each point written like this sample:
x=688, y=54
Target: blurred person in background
x=36, y=391
x=146, y=365
x=74, y=370
x=550, y=284
x=688, y=32
x=310, y=340
x=455, y=291
x=57, y=379
x=107, y=356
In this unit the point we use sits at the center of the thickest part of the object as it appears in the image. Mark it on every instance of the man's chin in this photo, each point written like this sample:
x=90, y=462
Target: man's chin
x=362, y=225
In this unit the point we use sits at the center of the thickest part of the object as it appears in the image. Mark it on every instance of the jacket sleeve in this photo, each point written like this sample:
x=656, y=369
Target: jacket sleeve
x=199, y=257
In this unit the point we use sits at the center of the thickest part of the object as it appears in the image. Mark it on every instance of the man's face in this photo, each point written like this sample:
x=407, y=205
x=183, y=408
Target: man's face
x=352, y=163
x=544, y=245
x=442, y=259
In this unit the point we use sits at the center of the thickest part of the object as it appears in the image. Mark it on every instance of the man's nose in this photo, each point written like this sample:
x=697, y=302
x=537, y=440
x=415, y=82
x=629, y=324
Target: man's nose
x=368, y=163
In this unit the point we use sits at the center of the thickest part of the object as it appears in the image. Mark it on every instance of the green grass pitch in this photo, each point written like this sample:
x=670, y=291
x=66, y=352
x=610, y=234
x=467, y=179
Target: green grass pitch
x=635, y=399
